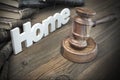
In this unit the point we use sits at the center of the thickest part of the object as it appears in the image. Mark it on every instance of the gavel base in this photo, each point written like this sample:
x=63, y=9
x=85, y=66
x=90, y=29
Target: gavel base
x=79, y=55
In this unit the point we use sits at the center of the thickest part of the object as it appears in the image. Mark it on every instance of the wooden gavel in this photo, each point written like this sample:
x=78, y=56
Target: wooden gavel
x=80, y=47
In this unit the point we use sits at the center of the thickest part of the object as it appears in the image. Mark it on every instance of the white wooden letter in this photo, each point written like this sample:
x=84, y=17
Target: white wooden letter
x=36, y=36
x=18, y=38
x=65, y=15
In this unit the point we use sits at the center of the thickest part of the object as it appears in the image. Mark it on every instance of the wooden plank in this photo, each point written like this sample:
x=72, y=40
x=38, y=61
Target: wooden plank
x=108, y=70
x=53, y=69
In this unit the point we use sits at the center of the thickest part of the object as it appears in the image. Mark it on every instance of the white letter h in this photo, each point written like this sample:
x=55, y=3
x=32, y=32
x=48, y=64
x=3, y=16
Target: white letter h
x=18, y=38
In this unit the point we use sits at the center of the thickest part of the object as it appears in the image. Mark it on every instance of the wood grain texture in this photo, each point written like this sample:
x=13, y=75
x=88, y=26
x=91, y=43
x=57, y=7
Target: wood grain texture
x=43, y=60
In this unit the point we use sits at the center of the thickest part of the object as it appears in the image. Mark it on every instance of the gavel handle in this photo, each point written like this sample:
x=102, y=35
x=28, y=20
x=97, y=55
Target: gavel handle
x=105, y=19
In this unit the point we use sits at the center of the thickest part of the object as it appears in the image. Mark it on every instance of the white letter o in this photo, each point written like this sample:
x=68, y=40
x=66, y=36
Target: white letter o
x=37, y=36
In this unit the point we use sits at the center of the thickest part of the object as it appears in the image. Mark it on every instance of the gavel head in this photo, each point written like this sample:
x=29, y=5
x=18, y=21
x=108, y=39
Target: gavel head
x=82, y=24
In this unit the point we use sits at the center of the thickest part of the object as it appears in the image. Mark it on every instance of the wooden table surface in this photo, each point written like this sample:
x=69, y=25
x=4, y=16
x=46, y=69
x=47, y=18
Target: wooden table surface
x=43, y=60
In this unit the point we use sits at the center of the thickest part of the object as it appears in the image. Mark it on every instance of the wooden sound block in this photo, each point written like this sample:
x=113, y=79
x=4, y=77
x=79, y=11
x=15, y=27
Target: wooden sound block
x=79, y=55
